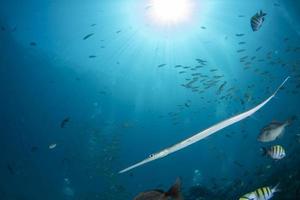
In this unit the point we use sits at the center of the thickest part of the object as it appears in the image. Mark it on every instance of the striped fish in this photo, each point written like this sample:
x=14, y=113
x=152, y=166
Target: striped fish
x=276, y=152
x=263, y=193
x=257, y=20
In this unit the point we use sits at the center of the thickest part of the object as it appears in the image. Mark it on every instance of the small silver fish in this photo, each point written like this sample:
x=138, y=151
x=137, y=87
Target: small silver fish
x=274, y=130
x=257, y=20
x=174, y=193
x=276, y=152
x=52, y=146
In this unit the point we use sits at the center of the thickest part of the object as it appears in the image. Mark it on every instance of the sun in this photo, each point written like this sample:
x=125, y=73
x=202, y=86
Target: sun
x=170, y=11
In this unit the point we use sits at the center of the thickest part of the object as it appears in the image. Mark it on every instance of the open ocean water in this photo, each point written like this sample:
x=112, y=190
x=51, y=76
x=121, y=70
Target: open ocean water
x=89, y=88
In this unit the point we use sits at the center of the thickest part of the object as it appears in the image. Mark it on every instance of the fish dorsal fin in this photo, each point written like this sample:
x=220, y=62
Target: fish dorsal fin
x=261, y=14
x=275, y=123
x=159, y=190
x=266, y=128
x=174, y=191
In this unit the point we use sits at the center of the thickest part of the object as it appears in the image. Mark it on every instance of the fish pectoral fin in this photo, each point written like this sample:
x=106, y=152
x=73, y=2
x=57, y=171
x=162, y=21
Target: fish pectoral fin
x=175, y=190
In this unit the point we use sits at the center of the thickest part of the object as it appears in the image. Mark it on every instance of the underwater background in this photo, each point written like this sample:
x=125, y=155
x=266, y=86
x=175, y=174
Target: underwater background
x=89, y=88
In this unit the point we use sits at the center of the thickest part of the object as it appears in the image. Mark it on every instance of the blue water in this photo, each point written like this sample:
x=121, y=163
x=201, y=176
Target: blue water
x=122, y=106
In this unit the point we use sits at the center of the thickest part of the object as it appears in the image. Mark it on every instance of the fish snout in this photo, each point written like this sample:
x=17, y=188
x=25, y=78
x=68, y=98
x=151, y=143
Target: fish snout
x=260, y=138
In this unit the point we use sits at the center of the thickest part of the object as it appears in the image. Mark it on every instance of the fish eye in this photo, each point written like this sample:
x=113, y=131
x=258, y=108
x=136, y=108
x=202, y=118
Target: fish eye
x=151, y=156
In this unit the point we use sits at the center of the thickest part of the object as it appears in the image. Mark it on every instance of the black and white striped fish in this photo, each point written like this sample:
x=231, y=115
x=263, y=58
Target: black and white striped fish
x=257, y=20
x=276, y=152
x=263, y=193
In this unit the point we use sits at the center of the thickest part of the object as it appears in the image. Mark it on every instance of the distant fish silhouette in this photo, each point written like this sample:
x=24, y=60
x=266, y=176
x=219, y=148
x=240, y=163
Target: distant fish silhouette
x=88, y=36
x=241, y=50
x=34, y=149
x=161, y=65
x=10, y=169
x=259, y=48
x=33, y=44
x=64, y=122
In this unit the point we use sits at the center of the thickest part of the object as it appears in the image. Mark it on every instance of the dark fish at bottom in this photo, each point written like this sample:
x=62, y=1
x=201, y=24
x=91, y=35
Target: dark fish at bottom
x=157, y=194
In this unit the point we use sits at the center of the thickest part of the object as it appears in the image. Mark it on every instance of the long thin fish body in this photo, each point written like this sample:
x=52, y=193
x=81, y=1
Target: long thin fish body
x=207, y=132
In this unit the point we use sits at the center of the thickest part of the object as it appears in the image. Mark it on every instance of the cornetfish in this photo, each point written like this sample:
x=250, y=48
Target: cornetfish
x=203, y=134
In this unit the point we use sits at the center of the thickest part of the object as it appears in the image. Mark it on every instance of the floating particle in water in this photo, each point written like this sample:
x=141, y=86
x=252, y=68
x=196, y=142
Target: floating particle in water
x=197, y=177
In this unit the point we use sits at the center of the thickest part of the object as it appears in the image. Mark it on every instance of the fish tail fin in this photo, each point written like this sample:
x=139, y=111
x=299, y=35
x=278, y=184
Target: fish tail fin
x=291, y=120
x=262, y=14
x=264, y=151
x=175, y=190
x=281, y=85
x=276, y=188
